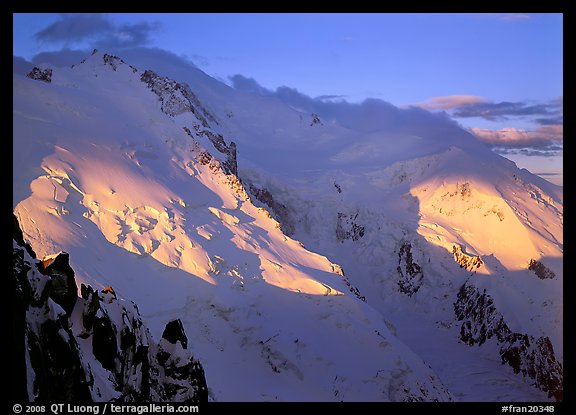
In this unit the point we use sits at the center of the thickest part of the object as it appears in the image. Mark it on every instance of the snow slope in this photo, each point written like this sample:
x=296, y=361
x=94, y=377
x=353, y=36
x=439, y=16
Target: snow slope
x=371, y=198
x=359, y=182
x=101, y=172
x=411, y=206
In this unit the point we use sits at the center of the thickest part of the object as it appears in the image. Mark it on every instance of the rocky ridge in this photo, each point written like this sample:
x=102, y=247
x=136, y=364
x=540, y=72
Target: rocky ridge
x=93, y=348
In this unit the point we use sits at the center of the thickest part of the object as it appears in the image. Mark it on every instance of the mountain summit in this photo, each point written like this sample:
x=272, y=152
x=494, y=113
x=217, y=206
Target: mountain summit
x=317, y=257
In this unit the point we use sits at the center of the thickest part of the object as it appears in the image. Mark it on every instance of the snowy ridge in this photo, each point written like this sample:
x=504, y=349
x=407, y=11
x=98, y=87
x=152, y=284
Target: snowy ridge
x=360, y=197
x=140, y=204
x=455, y=225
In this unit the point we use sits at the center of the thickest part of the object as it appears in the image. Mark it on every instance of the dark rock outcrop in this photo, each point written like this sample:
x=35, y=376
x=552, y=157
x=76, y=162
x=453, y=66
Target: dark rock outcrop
x=21, y=298
x=410, y=273
x=279, y=210
x=469, y=262
x=230, y=165
x=115, y=62
x=177, y=98
x=62, y=282
x=44, y=75
x=315, y=119
x=182, y=372
x=480, y=319
x=347, y=227
x=541, y=270
x=51, y=364
x=174, y=332
x=532, y=357
x=46, y=355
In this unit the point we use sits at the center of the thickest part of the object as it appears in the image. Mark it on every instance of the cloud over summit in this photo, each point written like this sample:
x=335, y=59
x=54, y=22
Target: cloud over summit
x=97, y=28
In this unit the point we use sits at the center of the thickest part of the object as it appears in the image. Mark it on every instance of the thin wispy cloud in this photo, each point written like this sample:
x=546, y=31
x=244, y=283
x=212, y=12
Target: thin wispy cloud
x=60, y=58
x=507, y=17
x=543, y=137
x=549, y=114
x=450, y=102
x=552, y=150
x=513, y=17
x=473, y=106
x=331, y=97
x=550, y=121
x=499, y=111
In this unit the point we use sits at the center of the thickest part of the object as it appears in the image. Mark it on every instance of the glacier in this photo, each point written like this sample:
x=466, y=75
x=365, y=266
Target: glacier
x=308, y=256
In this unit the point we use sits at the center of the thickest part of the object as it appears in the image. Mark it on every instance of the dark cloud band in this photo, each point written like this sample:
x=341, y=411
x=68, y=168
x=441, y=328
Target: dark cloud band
x=494, y=111
x=98, y=28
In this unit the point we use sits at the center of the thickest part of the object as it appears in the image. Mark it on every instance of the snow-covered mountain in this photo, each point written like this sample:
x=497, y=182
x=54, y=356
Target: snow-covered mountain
x=308, y=257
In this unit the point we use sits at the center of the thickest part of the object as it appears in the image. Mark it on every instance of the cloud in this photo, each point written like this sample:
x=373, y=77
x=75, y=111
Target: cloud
x=130, y=42
x=471, y=106
x=330, y=97
x=371, y=115
x=550, y=151
x=60, y=58
x=98, y=29
x=245, y=84
x=449, y=102
x=546, y=137
x=554, y=132
x=550, y=121
x=137, y=34
x=159, y=60
x=378, y=115
x=75, y=27
x=498, y=111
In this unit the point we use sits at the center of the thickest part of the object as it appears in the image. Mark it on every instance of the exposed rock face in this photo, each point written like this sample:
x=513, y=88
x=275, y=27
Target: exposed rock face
x=46, y=348
x=533, y=358
x=114, y=62
x=280, y=211
x=315, y=119
x=40, y=75
x=410, y=272
x=230, y=165
x=480, y=319
x=348, y=228
x=354, y=290
x=63, y=284
x=20, y=286
x=180, y=367
x=54, y=360
x=469, y=262
x=541, y=270
x=177, y=98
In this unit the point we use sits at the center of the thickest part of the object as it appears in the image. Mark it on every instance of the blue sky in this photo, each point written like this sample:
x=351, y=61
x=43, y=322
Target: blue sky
x=501, y=75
